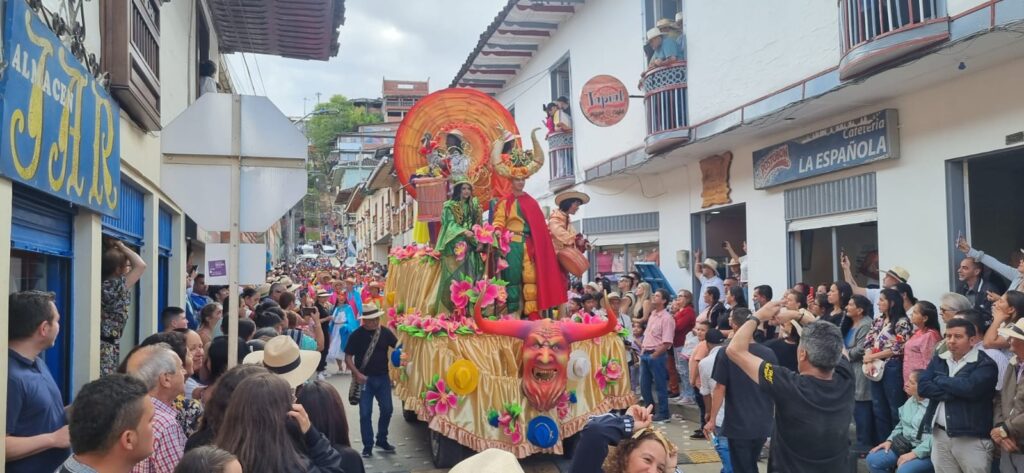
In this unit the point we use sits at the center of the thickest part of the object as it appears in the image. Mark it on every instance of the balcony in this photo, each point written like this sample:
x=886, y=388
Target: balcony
x=560, y=161
x=665, y=102
x=131, y=53
x=875, y=32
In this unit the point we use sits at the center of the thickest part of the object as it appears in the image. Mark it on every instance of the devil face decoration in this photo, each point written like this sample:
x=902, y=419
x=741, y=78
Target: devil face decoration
x=546, y=347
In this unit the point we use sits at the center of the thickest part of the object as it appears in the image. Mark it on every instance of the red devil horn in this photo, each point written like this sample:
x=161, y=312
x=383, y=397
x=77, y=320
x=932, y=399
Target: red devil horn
x=509, y=328
x=575, y=332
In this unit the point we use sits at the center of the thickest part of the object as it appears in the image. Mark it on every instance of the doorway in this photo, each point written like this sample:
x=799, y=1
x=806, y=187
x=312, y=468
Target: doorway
x=995, y=198
x=713, y=228
x=40, y=272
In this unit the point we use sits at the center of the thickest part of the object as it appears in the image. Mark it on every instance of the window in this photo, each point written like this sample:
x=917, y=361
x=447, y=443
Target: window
x=560, y=80
x=655, y=10
x=202, y=52
x=131, y=54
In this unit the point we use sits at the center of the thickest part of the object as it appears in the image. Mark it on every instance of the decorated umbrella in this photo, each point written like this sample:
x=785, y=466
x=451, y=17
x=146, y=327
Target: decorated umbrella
x=475, y=117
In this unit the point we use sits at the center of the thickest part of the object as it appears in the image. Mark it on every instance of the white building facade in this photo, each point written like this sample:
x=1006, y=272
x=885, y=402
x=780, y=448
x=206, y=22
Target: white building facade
x=780, y=143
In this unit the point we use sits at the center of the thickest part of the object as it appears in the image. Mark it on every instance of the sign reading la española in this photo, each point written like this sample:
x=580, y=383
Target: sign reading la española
x=604, y=100
x=856, y=142
x=60, y=126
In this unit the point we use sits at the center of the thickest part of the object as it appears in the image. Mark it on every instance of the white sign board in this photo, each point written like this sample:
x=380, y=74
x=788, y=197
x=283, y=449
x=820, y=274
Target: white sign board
x=252, y=264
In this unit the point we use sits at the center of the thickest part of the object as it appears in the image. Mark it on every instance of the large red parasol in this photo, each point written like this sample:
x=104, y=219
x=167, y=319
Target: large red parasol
x=476, y=115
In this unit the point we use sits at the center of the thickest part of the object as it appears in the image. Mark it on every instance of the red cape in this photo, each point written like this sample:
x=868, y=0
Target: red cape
x=552, y=286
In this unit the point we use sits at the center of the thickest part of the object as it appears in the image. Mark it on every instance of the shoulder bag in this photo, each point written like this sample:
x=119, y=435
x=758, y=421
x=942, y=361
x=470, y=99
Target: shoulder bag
x=355, y=390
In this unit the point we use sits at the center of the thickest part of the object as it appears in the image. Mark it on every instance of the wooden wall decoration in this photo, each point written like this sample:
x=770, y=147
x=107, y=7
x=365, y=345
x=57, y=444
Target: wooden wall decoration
x=715, y=179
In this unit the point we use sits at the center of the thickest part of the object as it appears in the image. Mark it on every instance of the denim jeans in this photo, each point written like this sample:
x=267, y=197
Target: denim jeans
x=887, y=396
x=377, y=387
x=864, y=419
x=654, y=370
x=884, y=461
x=683, y=367
x=744, y=454
x=721, y=445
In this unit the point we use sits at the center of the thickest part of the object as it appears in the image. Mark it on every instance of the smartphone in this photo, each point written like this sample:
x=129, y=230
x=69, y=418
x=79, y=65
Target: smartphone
x=724, y=244
x=309, y=311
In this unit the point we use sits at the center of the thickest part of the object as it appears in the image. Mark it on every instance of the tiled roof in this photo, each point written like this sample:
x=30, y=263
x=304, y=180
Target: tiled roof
x=416, y=88
x=511, y=40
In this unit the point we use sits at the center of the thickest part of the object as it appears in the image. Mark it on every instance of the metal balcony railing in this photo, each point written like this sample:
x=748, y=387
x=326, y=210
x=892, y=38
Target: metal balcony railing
x=878, y=31
x=665, y=103
x=561, y=161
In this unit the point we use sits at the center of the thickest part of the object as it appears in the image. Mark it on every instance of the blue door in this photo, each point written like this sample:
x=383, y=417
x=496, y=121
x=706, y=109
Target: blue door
x=163, y=265
x=41, y=252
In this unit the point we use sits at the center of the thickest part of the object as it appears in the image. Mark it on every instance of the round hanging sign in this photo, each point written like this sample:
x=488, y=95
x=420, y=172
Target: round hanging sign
x=604, y=100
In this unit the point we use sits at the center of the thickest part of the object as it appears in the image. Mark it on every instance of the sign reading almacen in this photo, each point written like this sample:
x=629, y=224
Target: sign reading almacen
x=863, y=140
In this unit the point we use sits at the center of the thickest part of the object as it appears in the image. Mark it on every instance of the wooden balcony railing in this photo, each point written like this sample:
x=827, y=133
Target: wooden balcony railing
x=131, y=53
x=875, y=32
x=561, y=161
x=665, y=102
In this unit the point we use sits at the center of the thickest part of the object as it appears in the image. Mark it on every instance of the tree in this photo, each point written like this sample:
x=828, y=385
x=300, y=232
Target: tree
x=330, y=118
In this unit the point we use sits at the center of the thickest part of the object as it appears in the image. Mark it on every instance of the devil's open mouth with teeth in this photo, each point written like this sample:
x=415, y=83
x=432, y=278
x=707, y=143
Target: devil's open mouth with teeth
x=545, y=375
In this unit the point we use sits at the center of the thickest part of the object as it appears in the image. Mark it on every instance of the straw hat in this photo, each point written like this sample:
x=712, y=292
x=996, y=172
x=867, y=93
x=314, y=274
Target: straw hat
x=322, y=293
x=712, y=263
x=462, y=377
x=572, y=195
x=264, y=290
x=282, y=357
x=898, y=272
x=666, y=24
x=370, y=311
x=579, y=365
x=1016, y=330
x=614, y=296
x=491, y=460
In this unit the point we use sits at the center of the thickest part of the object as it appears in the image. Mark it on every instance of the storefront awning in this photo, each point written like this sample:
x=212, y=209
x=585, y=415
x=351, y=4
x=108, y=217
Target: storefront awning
x=300, y=29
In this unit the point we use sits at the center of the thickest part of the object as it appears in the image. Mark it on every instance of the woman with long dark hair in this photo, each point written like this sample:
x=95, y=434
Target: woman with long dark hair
x=327, y=412
x=121, y=268
x=839, y=294
x=734, y=298
x=218, y=398
x=269, y=434
x=921, y=346
x=885, y=343
x=460, y=257
x=1005, y=311
x=859, y=311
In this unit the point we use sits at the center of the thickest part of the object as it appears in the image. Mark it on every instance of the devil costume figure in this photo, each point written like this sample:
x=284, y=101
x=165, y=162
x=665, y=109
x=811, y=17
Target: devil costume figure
x=546, y=347
x=531, y=250
x=459, y=256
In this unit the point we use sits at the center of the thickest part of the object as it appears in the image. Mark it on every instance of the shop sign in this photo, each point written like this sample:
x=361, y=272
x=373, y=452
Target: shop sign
x=604, y=100
x=863, y=140
x=60, y=127
x=714, y=171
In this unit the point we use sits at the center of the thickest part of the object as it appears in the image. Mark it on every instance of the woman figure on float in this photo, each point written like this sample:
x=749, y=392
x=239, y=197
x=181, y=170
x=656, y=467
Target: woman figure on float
x=460, y=256
x=532, y=252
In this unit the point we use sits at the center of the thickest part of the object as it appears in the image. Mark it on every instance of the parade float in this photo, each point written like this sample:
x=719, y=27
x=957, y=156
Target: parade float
x=481, y=359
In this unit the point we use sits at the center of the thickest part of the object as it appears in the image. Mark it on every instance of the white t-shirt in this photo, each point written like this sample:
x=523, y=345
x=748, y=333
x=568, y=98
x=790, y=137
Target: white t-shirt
x=707, y=383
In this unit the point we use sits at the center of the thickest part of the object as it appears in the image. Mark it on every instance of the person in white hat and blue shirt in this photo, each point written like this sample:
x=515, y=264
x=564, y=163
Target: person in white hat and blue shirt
x=707, y=273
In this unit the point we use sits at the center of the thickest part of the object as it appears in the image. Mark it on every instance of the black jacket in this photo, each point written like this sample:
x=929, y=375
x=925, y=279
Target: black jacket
x=968, y=395
x=321, y=457
x=592, y=447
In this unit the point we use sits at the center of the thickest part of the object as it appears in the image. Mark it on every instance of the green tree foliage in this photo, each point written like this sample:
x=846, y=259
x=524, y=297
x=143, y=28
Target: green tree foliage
x=335, y=116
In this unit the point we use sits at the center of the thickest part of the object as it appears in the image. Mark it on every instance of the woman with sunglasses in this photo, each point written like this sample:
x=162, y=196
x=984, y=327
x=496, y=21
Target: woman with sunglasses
x=639, y=448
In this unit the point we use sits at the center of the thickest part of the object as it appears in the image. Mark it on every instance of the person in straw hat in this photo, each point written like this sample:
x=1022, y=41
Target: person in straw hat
x=707, y=273
x=366, y=355
x=563, y=235
x=283, y=357
x=663, y=52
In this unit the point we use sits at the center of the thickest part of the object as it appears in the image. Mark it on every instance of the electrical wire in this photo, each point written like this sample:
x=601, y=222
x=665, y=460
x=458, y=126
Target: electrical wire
x=252, y=47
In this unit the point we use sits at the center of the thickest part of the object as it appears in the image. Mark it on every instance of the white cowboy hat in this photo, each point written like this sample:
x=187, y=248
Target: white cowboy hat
x=712, y=263
x=578, y=366
x=491, y=460
x=282, y=357
x=1016, y=330
x=653, y=33
x=370, y=311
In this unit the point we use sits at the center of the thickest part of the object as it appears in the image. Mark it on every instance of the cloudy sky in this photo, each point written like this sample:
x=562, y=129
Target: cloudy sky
x=397, y=39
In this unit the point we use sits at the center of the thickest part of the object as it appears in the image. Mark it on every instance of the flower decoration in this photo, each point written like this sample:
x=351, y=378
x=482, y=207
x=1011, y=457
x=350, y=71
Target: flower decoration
x=420, y=326
x=505, y=241
x=507, y=420
x=484, y=234
x=424, y=254
x=461, y=292
x=565, y=403
x=609, y=374
x=486, y=293
x=438, y=399
x=502, y=264
x=460, y=251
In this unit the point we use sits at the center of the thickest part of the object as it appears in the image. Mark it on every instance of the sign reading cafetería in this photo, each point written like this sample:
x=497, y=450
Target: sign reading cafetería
x=59, y=126
x=863, y=140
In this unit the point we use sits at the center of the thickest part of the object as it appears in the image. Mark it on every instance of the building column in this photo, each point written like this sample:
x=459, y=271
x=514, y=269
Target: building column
x=149, y=285
x=176, y=266
x=87, y=286
x=6, y=208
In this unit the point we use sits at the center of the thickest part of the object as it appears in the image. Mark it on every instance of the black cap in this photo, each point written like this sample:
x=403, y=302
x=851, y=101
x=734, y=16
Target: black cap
x=714, y=337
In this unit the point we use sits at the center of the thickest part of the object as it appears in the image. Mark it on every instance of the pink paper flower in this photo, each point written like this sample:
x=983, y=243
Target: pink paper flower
x=440, y=399
x=505, y=241
x=486, y=292
x=502, y=264
x=459, y=290
x=505, y=419
x=484, y=234
x=517, y=436
x=502, y=294
x=602, y=381
x=614, y=370
x=460, y=251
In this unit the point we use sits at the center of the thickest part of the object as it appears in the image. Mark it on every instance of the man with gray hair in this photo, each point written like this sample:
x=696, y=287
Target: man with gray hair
x=813, y=408
x=161, y=370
